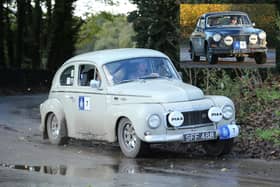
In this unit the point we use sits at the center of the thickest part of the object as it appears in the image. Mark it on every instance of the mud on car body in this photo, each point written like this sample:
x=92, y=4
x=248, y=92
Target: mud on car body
x=103, y=95
x=227, y=34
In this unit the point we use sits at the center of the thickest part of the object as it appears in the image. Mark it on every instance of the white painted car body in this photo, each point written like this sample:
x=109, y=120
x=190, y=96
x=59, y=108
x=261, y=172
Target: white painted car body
x=93, y=112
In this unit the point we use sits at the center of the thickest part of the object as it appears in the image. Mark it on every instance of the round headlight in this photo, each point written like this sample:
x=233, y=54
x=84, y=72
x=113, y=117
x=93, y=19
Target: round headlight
x=228, y=40
x=154, y=121
x=217, y=37
x=227, y=111
x=253, y=39
x=262, y=35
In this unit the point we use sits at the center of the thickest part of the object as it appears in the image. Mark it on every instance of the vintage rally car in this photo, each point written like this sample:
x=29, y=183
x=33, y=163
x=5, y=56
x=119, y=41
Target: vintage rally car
x=134, y=97
x=227, y=34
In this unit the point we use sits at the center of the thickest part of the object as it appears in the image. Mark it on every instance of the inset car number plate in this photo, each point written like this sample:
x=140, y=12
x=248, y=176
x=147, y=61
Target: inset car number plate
x=200, y=136
x=239, y=45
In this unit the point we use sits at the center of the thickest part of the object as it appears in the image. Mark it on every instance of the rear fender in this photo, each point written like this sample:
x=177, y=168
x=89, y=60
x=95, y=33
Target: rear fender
x=48, y=107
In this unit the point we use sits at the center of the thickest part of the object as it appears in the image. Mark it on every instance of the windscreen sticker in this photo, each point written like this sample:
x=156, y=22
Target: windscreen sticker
x=84, y=103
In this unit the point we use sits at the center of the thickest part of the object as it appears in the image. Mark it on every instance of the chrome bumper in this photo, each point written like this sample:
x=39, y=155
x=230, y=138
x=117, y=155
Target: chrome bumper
x=222, y=132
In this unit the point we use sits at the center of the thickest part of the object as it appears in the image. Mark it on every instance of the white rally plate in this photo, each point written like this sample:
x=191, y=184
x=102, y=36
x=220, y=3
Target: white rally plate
x=200, y=136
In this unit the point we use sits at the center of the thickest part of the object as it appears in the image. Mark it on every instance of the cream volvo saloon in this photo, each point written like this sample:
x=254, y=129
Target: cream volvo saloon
x=134, y=97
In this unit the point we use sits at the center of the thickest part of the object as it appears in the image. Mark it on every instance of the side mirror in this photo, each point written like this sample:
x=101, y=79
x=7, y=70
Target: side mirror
x=95, y=84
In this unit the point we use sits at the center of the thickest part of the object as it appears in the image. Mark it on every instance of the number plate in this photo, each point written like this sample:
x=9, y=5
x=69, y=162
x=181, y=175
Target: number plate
x=200, y=136
x=239, y=45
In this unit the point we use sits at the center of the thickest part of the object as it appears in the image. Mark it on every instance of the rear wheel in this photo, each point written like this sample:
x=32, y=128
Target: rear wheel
x=56, y=130
x=130, y=144
x=193, y=55
x=211, y=58
x=240, y=59
x=218, y=147
x=260, y=58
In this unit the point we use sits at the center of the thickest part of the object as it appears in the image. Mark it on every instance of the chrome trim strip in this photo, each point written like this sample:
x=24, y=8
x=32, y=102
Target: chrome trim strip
x=110, y=94
x=191, y=126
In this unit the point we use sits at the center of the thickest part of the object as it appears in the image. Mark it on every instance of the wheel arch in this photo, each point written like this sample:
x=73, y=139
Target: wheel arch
x=52, y=106
x=190, y=44
x=117, y=125
x=205, y=46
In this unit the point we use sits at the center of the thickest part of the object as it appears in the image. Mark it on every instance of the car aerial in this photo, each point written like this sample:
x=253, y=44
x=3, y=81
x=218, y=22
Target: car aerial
x=134, y=97
x=227, y=34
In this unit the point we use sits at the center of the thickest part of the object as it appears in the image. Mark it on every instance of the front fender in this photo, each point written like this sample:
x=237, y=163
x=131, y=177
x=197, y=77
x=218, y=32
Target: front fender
x=221, y=101
x=138, y=115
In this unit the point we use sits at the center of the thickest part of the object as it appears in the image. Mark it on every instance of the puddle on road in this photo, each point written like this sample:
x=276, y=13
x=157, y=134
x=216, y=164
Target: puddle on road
x=103, y=171
x=238, y=174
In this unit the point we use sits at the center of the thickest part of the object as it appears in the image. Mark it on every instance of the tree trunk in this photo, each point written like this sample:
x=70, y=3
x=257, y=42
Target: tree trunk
x=10, y=40
x=36, y=55
x=2, y=26
x=62, y=34
x=20, y=33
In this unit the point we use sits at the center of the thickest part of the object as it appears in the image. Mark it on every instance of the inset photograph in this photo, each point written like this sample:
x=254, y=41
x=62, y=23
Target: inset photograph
x=228, y=35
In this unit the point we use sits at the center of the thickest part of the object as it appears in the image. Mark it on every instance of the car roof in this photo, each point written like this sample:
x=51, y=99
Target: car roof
x=225, y=12
x=109, y=55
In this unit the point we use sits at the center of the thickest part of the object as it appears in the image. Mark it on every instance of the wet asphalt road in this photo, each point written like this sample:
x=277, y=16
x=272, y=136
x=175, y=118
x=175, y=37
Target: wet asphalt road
x=186, y=61
x=27, y=160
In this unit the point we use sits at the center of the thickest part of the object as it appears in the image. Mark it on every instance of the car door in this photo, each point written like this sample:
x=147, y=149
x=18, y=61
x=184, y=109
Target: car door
x=198, y=37
x=91, y=102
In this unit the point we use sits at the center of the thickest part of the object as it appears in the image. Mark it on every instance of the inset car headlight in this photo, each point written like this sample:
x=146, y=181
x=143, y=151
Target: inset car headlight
x=253, y=39
x=154, y=121
x=217, y=37
x=227, y=111
x=262, y=35
x=228, y=40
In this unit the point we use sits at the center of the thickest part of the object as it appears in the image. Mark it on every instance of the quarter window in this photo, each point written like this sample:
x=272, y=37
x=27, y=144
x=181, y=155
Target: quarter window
x=202, y=23
x=87, y=73
x=67, y=76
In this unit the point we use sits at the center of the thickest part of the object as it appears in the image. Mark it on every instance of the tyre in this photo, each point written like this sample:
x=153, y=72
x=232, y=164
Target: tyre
x=130, y=144
x=56, y=130
x=218, y=147
x=211, y=58
x=193, y=55
x=260, y=58
x=240, y=58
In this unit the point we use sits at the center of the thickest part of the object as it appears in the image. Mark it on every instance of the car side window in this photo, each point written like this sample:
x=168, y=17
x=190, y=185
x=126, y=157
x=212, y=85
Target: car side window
x=87, y=73
x=202, y=23
x=67, y=77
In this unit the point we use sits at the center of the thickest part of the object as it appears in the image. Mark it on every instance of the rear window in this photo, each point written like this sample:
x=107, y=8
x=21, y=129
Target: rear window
x=67, y=77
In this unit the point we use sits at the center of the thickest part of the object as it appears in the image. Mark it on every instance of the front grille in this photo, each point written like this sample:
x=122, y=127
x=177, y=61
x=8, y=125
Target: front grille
x=241, y=38
x=193, y=118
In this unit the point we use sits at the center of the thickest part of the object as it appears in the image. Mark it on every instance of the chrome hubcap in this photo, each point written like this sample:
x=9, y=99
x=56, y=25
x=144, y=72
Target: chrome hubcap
x=129, y=136
x=54, y=127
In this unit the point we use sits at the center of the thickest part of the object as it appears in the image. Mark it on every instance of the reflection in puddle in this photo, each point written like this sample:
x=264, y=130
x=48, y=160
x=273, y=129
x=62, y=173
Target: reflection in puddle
x=100, y=171
x=52, y=170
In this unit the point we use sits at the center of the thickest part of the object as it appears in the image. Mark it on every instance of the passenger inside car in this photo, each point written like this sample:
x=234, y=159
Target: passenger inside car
x=233, y=20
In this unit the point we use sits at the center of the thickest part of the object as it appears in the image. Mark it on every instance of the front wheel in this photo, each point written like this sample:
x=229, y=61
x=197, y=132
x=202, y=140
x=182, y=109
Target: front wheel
x=194, y=57
x=260, y=58
x=130, y=144
x=218, y=147
x=240, y=58
x=56, y=130
x=211, y=58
